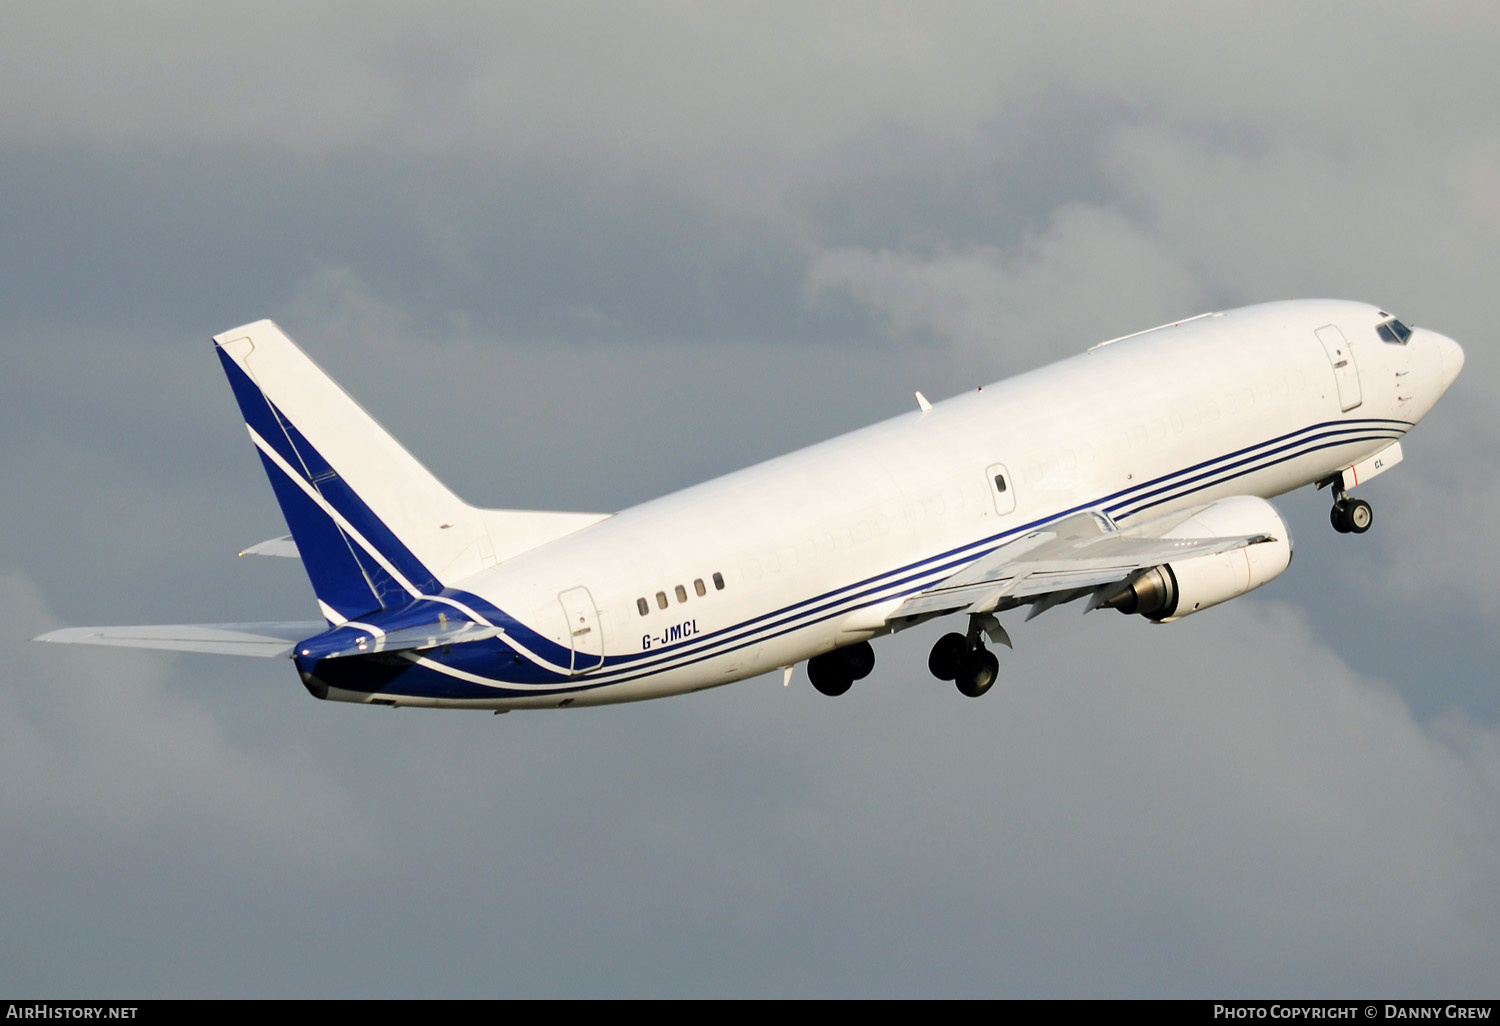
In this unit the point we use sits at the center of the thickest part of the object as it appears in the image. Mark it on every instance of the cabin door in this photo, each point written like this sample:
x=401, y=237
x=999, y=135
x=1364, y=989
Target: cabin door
x=582, y=618
x=1345, y=373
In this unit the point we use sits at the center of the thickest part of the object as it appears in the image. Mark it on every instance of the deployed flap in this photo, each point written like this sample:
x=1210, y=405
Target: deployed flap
x=1075, y=554
x=244, y=639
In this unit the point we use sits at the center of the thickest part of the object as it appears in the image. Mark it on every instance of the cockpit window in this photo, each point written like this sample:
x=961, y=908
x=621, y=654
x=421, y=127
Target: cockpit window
x=1394, y=332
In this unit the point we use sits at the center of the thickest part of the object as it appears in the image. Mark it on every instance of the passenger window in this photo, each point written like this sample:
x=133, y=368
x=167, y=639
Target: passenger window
x=699, y=588
x=718, y=581
x=640, y=604
x=681, y=593
x=661, y=600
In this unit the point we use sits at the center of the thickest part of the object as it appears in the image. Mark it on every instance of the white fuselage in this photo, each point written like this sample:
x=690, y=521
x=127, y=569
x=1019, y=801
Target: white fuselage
x=815, y=548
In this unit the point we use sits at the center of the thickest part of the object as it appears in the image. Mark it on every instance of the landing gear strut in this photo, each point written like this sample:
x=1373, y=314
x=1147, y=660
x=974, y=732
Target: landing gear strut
x=963, y=659
x=834, y=673
x=1349, y=515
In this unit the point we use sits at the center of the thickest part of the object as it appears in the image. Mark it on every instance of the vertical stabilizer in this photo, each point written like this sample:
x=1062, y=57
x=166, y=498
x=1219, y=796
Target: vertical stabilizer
x=374, y=528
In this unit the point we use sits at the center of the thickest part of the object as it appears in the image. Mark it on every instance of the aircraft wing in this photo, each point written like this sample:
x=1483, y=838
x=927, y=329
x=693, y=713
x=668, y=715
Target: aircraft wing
x=1062, y=562
x=265, y=640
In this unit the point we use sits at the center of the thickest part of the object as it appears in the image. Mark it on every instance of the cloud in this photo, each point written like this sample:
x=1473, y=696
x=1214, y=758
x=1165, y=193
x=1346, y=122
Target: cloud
x=1090, y=276
x=1436, y=557
x=1305, y=216
x=93, y=745
x=1227, y=781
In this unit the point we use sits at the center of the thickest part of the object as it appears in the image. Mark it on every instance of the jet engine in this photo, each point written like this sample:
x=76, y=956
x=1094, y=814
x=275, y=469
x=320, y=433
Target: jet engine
x=1173, y=590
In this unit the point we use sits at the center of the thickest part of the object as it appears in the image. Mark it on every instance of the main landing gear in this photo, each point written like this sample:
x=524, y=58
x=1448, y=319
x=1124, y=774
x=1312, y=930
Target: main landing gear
x=963, y=659
x=1349, y=515
x=833, y=673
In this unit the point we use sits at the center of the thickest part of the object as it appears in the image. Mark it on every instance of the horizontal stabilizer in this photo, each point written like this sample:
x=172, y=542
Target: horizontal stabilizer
x=351, y=640
x=265, y=640
x=283, y=546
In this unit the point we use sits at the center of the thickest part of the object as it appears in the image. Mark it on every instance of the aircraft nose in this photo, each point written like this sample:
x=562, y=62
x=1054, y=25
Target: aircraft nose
x=1451, y=359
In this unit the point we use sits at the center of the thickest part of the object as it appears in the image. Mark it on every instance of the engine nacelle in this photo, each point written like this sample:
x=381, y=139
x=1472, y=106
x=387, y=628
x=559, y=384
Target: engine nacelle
x=1181, y=588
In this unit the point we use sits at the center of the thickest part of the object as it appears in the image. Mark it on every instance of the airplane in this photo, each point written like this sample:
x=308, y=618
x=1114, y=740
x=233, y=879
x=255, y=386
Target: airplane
x=1133, y=475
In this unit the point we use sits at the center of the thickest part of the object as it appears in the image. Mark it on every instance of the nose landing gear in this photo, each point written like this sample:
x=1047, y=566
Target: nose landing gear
x=1349, y=515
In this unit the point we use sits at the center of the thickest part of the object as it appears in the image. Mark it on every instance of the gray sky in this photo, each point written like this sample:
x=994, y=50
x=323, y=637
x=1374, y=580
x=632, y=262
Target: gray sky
x=576, y=255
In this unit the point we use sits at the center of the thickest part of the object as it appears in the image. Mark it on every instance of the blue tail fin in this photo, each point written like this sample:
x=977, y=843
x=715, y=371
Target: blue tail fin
x=374, y=527
x=368, y=519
